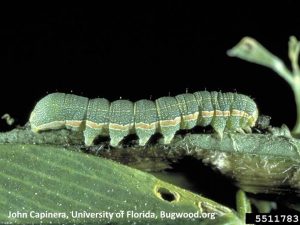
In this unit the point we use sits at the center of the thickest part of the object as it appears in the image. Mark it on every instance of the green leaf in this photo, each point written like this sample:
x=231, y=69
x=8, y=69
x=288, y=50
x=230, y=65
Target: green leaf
x=45, y=179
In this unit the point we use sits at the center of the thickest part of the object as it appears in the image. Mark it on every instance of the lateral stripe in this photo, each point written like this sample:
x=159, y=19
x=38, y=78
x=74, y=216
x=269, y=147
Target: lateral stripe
x=164, y=123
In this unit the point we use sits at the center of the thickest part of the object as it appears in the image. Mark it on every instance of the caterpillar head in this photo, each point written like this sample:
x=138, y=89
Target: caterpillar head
x=253, y=118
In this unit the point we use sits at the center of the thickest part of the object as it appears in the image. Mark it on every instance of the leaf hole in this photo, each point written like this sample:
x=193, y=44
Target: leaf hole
x=167, y=195
x=248, y=46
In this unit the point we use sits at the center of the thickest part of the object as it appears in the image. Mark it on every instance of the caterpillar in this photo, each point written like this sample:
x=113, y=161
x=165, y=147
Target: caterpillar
x=166, y=115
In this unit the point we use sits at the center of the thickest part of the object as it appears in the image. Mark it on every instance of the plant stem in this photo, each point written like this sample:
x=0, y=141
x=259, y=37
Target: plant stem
x=250, y=50
x=296, y=90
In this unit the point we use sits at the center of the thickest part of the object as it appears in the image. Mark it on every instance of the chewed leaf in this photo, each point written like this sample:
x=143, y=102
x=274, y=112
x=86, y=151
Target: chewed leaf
x=53, y=185
x=251, y=50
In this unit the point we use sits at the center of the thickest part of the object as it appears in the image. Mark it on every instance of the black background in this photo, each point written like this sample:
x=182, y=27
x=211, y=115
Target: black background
x=137, y=51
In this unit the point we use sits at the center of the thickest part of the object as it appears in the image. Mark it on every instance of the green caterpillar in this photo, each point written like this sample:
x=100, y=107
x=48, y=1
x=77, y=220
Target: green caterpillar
x=165, y=115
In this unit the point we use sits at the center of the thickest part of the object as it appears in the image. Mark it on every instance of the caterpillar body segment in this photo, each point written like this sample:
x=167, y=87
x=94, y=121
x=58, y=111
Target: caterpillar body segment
x=97, y=120
x=169, y=117
x=146, y=120
x=121, y=120
x=189, y=110
x=165, y=115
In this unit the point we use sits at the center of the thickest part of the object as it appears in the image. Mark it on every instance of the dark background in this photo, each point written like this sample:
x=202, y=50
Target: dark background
x=138, y=51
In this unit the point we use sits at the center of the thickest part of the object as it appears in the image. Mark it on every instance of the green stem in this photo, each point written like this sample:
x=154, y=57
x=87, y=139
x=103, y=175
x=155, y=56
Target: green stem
x=294, y=50
x=284, y=72
x=296, y=90
x=243, y=205
x=250, y=50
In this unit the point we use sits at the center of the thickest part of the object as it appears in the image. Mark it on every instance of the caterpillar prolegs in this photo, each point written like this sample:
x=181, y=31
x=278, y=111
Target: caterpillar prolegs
x=166, y=115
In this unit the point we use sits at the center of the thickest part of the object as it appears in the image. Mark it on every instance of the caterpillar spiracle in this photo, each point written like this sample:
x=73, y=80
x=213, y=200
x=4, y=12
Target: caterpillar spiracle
x=166, y=115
